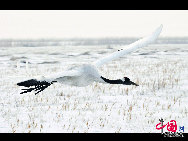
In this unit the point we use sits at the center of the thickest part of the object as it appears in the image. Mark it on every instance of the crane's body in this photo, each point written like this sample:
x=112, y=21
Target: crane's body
x=88, y=73
x=83, y=75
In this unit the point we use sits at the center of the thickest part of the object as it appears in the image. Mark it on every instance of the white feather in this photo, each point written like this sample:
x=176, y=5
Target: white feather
x=80, y=76
x=88, y=73
x=130, y=48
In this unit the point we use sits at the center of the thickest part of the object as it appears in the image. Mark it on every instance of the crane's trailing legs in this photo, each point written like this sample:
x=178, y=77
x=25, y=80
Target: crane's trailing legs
x=38, y=85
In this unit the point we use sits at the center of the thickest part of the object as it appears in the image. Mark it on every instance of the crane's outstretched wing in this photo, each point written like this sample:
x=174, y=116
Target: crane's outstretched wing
x=130, y=48
x=38, y=84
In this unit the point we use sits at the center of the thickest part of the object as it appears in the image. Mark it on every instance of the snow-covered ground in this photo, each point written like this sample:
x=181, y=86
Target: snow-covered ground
x=159, y=69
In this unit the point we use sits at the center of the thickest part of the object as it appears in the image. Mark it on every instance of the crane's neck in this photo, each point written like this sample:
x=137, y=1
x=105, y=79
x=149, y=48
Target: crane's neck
x=118, y=81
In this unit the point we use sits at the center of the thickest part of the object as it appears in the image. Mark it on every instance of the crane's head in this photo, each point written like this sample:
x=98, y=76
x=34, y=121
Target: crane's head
x=127, y=81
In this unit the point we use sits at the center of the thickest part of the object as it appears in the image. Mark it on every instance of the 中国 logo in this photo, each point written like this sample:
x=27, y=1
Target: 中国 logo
x=171, y=127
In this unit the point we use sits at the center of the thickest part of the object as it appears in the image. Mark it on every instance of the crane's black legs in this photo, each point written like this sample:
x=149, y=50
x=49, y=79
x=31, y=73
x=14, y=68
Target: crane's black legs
x=38, y=85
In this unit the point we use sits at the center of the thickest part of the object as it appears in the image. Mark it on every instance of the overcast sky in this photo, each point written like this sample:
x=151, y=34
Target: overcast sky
x=91, y=23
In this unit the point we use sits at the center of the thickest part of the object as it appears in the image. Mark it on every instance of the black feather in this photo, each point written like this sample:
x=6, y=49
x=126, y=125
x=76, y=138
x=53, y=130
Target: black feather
x=28, y=83
x=38, y=85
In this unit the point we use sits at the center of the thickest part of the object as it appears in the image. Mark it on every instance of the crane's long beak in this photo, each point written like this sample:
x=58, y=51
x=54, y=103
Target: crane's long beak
x=132, y=83
x=128, y=82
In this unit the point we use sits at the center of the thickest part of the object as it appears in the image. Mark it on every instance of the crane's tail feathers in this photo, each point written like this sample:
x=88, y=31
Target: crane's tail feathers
x=38, y=85
x=29, y=83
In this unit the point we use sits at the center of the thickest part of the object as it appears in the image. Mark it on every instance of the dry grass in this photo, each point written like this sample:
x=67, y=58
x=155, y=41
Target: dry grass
x=99, y=107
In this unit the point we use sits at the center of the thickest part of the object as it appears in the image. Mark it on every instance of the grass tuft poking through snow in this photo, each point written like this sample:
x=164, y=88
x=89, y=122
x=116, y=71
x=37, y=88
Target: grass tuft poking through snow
x=162, y=92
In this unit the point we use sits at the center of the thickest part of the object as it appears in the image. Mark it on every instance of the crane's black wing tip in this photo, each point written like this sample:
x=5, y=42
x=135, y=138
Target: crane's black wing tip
x=28, y=83
x=38, y=85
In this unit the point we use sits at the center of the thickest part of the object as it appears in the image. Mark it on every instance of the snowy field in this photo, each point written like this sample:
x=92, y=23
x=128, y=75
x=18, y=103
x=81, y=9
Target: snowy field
x=159, y=69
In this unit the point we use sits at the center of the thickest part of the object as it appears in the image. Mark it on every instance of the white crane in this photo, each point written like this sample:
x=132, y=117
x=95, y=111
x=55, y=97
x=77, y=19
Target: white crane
x=88, y=73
